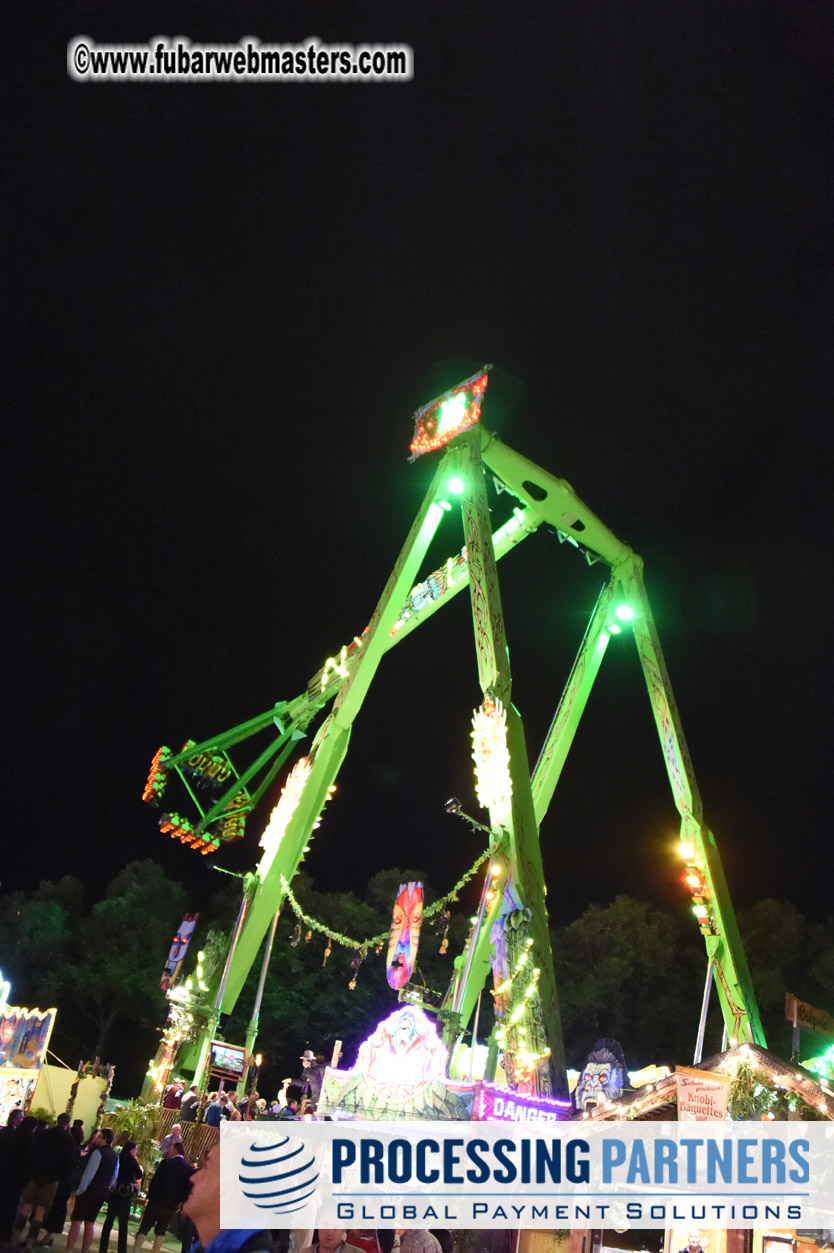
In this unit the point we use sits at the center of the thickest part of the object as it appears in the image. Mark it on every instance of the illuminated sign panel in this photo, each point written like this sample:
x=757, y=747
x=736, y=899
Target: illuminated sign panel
x=442, y=419
x=496, y=1104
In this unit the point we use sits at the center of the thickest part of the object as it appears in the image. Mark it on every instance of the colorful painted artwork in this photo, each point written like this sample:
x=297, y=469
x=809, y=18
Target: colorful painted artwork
x=24, y=1036
x=603, y=1077
x=406, y=922
x=16, y=1090
x=404, y=1049
x=400, y=1073
x=178, y=950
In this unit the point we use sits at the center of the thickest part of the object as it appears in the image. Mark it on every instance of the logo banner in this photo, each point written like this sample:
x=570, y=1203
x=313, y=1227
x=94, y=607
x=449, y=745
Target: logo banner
x=578, y=1175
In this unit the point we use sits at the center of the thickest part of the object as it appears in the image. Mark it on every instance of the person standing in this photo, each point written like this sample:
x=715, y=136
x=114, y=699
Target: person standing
x=51, y=1159
x=214, y=1111
x=331, y=1241
x=99, y=1176
x=190, y=1104
x=365, y=1239
x=173, y=1135
x=419, y=1241
x=172, y=1096
x=56, y=1217
x=291, y=1112
x=313, y=1067
x=166, y=1193
x=693, y=1242
x=122, y=1197
x=11, y=1173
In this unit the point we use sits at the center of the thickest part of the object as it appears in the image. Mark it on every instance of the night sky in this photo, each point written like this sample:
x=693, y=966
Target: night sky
x=223, y=304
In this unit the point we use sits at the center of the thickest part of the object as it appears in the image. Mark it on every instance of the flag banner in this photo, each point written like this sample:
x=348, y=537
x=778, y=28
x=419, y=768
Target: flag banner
x=578, y=1175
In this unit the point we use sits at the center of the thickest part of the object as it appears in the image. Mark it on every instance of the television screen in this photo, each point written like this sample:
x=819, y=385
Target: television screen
x=227, y=1061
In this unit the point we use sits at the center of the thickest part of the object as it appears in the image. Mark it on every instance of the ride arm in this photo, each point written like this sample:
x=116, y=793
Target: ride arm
x=280, y=862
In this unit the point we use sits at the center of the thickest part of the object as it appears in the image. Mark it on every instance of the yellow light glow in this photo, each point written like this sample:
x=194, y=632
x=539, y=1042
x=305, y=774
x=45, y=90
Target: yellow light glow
x=493, y=784
x=287, y=804
x=686, y=850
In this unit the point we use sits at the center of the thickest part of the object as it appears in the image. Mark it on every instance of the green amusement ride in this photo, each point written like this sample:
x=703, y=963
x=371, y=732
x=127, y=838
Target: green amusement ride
x=509, y=937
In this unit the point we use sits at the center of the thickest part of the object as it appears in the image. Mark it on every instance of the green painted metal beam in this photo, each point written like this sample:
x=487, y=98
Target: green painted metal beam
x=569, y=711
x=515, y=826
x=331, y=742
x=555, y=501
x=720, y=929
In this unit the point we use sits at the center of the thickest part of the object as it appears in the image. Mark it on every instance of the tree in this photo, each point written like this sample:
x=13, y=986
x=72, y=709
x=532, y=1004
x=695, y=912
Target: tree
x=119, y=952
x=625, y=971
x=786, y=953
x=36, y=935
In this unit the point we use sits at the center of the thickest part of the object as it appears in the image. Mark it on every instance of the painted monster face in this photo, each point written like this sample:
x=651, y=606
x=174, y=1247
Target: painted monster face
x=405, y=934
x=602, y=1076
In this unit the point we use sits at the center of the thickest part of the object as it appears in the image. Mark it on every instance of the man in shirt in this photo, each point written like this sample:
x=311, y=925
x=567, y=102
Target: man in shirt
x=332, y=1241
x=173, y=1094
x=12, y=1174
x=173, y=1135
x=190, y=1104
x=122, y=1197
x=291, y=1111
x=99, y=1177
x=166, y=1192
x=216, y=1111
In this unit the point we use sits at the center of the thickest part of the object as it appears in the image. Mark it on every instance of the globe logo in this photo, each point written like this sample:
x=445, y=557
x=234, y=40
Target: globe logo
x=280, y=1175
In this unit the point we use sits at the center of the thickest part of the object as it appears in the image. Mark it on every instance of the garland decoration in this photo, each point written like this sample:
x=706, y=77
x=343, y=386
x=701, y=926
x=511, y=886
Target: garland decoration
x=375, y=941
x=750, y=1098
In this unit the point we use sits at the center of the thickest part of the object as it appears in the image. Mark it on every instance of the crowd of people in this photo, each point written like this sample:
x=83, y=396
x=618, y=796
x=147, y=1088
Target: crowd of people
x=295, y=1098
x=51, y=1175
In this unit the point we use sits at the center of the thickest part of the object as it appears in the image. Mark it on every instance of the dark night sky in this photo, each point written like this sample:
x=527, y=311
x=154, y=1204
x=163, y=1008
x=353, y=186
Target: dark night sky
x=224, y=303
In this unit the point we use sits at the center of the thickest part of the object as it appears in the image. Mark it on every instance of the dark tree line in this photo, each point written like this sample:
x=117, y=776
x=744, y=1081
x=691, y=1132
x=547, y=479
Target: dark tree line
x=624, y=970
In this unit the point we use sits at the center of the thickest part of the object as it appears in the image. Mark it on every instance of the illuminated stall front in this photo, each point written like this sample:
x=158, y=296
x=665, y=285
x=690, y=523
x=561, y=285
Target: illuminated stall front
x=24, y=1038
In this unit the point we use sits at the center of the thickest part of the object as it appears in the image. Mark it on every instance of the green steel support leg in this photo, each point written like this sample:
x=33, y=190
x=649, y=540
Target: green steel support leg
x=331, y=742
x=516, y=822
x=571, y=706
x=240, y=783
x=719, y=928
x=274, y=768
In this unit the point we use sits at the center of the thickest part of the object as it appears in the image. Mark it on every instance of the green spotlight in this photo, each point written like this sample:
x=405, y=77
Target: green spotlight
x=613, y=629
x=624, y=612
x=456, y=485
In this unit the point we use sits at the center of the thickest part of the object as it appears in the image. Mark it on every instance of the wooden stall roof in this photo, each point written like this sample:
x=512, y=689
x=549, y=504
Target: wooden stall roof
x=659, y=1100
